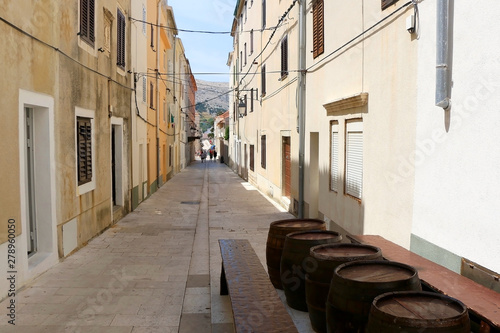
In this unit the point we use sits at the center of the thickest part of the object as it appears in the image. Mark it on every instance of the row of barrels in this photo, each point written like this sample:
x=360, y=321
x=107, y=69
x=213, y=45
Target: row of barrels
x=350, y=287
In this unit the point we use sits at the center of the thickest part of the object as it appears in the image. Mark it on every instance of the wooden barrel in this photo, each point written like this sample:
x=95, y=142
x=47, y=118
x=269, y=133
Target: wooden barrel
x=276, y=240
x=354, y=286
x=296, y=263
x=414, y=312
x=328, y=257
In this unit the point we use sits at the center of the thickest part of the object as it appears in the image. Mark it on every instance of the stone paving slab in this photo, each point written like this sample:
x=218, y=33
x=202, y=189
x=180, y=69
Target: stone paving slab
x=157, y=269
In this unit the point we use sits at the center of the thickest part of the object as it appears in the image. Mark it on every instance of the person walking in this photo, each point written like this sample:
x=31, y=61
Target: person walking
x=215, y=155
x=211, y=154
x=203, y=155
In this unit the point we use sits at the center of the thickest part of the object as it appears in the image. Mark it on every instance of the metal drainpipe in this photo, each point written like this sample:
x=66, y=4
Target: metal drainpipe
x=442, y=55
x=302, y=102
x=158, y=181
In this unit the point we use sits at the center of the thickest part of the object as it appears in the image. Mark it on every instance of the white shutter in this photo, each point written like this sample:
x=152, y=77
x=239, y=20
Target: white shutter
x=144, y=90
x=354, y=159
x=334, y=161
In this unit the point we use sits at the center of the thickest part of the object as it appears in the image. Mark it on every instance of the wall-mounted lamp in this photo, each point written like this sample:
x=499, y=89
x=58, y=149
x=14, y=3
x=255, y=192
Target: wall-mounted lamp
x=100, y=49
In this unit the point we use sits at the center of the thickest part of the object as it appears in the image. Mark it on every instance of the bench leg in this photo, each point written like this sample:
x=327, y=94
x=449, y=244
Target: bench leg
x=223, y=282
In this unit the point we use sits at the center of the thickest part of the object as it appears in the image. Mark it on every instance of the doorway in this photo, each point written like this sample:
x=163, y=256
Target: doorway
x=313, y=175
x=31, y=232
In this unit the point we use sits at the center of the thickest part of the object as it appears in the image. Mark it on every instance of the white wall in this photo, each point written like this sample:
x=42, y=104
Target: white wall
x=456, y=173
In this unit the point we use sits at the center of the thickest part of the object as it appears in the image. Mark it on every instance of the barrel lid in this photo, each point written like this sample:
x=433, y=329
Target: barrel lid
x=314, y=234
x=344, y=251
x=377, y=271
x=419, y=305
x=297, y=223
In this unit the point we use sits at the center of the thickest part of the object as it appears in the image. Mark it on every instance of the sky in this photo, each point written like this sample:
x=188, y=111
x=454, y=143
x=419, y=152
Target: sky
x=207, y=53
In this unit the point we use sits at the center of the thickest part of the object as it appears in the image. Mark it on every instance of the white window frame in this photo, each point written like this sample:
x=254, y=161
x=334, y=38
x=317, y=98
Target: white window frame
x=90, y=186
x=354, y=158
x=334, y=156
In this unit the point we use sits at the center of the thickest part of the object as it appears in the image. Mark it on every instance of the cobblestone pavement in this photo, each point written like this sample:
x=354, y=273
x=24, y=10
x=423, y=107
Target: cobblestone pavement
x=158, y=269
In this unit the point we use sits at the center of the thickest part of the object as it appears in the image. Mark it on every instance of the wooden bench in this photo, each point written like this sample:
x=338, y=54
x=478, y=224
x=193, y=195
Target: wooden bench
x=256, y=304
x=483, y=303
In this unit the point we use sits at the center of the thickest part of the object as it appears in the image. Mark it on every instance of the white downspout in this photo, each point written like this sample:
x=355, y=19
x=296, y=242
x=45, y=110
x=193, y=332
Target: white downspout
x=443, y=79
x=302, y=102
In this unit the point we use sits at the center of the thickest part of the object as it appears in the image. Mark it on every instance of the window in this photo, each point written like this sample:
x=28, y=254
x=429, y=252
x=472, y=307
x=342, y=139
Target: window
x=263, y=151
x=263, y=80
x=144, y=19
x=241, y=61
x=284, y=57
x=151, y=95
x=120, y=58
x=144, y=89
x=241, y=23
x=263, y=14
x=169, y=156
x=251, y=41
x=252, y=153
x=84, y=146
x=245, y=11
x=152, y=37
x=246, y=104
x=354, y=159
x=245, y=48
x=164, y=111
x=318, y=28
x=387, y=3
x=334, y=157
x=87, y=21
x=251, y=99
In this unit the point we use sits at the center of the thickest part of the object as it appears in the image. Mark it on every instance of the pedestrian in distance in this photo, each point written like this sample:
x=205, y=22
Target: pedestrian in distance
x=203, y=155
x=215, y=155
x=211, y=154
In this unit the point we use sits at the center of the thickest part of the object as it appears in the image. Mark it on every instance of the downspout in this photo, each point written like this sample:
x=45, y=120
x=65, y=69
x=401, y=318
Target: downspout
x=302, y=102
x=443, y=79
x=158, y=181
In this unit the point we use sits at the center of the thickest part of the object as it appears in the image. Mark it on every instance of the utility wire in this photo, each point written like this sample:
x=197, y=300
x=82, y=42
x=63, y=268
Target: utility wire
x=61, y=52
x=361, y=34
x=195, y=31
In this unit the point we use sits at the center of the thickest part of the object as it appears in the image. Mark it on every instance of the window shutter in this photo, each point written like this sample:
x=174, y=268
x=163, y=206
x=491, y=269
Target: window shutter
x=263, y=151
x=284, y=57
x=251, y=100
x=354, y=159
x=263, y=80
x=152, y=37
x=252, y=152
x=84, y=132
x=387, y=3
x=151, y=95
x=144, y=89
x=263, y=14
x=251, y=41
x=120, y=61
x=318, y=28
x=87, y=18
x=334, y=161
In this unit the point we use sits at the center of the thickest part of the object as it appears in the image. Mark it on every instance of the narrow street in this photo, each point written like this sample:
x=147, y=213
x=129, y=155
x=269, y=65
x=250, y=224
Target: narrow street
x=158, y=269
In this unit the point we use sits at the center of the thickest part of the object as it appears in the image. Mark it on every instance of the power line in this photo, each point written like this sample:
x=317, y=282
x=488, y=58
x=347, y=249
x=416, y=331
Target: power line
x=195, y=31
x=361, y=34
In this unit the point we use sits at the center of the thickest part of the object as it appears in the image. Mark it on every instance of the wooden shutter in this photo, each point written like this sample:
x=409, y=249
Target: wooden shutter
x=318, y=28
x=263, y=80
x=87, y=21
x=387, y=3
x=152, y=37
x=263, y=151
x=251, y=100
x=252, y=152
x=251, y=41
x=284, y=57
x=120, y=61
x=354, y=159
x=334, y=157
x=151, y=95
x=263, y=14
x=84, y=143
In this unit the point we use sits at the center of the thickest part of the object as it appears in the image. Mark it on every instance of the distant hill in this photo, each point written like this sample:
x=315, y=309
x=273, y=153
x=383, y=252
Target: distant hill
x=215, y=93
